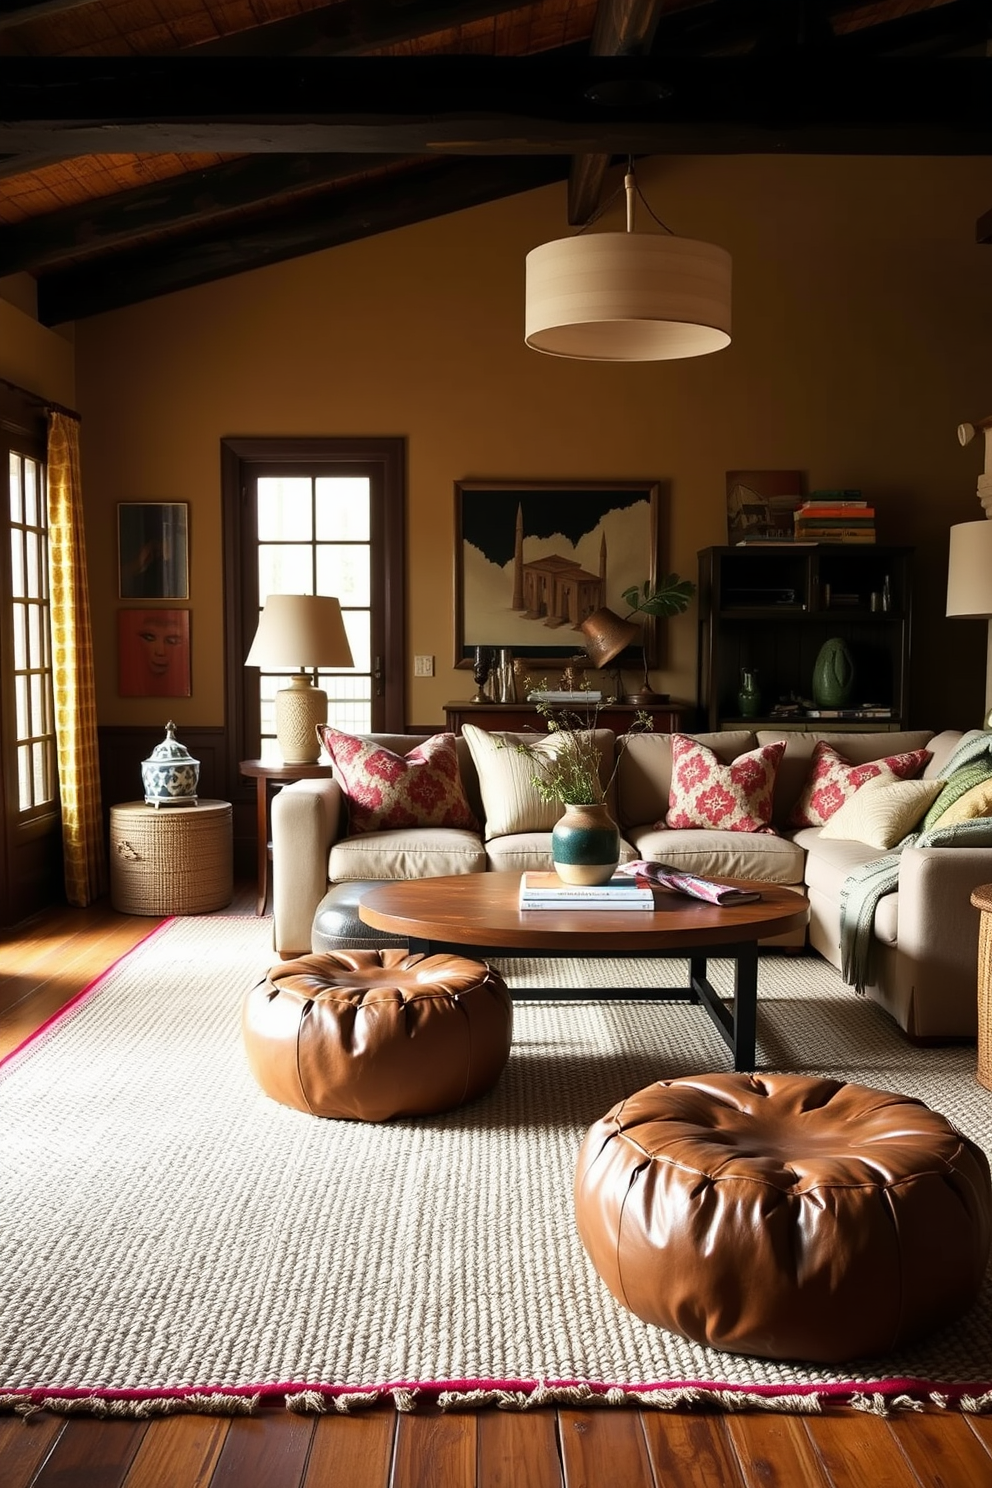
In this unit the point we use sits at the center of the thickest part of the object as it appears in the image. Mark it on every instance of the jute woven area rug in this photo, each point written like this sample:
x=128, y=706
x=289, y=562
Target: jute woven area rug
x=174, y=1240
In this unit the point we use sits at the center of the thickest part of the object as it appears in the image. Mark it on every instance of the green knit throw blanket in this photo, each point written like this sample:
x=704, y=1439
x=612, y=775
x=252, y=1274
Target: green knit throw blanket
x=865, y=886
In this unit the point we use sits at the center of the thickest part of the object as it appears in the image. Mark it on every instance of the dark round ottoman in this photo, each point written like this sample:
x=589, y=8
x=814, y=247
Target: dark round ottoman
x=373, y=1034
x=784, y=1216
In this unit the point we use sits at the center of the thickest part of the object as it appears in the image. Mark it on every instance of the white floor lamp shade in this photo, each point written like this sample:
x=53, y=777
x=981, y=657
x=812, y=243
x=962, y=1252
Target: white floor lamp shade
x=301, y=630
x=627, y=297
x=969, y=584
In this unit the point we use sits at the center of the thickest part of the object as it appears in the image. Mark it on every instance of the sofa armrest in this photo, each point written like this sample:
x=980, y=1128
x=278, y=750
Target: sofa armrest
x=938, y=930
x=306, y=820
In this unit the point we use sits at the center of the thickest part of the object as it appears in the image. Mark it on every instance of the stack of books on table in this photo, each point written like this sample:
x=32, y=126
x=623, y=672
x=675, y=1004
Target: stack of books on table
x=547, y=891
x=585, y=696
x=835, y=517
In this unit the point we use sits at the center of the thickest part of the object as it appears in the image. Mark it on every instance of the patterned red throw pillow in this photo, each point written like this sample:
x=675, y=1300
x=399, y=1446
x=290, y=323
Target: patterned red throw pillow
x=387, y=790
x=832, y=780
x=732, y=798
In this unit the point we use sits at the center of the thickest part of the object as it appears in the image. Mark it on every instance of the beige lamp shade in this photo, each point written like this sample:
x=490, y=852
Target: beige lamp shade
x=300, y=630
x=627, y=297
x=606, y=635
x=969, y=571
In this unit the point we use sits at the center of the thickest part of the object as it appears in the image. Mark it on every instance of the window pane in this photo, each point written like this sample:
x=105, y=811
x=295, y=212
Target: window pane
x=287, y=570
x=24, y=802
x=34, y=635
x=16, y=499
x=285, y=509
x=39, y=765
x=344, y=572
x=37, y=705
x=20, y=637
x=17, y=562
x=358, y=624
x=32, y=565
x=21, y=696
x=343, y=507
x=31, y=513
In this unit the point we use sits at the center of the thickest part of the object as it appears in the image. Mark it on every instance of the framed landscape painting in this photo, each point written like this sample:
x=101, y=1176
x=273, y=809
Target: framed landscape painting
x=533, y=559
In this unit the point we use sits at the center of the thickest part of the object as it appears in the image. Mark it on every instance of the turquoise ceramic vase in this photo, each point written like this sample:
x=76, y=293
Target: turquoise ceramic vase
x=833, y=675
x=585, y=845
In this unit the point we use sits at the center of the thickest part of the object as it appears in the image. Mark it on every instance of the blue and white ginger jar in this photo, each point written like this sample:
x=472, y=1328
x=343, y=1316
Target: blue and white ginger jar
x=170, y=774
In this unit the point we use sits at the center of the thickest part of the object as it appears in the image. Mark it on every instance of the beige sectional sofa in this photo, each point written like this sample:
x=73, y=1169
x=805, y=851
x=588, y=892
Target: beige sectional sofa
x=924, y=956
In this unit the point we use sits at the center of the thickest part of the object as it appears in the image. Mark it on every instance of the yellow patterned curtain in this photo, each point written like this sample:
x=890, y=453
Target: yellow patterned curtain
x=72, y=670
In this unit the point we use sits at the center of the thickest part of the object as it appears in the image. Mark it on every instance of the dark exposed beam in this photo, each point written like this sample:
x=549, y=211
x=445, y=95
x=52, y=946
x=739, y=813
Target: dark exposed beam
x=348, y=27
x=430, y=190
x=488, y=106
x=623, y=28
x=196, y=197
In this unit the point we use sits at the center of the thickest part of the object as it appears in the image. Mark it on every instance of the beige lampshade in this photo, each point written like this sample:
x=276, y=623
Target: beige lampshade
x=606, y=635
x=627, y=297
x=969, y=571
x=300, y=630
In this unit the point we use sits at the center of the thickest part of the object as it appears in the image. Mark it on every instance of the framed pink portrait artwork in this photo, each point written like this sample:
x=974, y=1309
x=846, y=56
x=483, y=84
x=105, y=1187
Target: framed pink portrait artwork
x=153, y=658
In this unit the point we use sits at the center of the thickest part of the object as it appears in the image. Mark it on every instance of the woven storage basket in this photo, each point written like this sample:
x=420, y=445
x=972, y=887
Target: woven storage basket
x=171, y=859
x=982, y=899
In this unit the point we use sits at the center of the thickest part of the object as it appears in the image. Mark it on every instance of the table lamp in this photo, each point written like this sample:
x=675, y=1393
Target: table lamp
x=606, y=635
x=969, y=559
x=300, y=630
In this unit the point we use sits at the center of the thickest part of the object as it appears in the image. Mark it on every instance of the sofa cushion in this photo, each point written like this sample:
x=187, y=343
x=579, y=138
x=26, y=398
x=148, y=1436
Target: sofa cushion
x=520, y=852
x=858, y=748
x=422, y=788
x=832, y=780
x=717, y=854
x=882, y=814
x=644, y=771
x=406, y=852
x=707, y=793
x=829, y=861
x=973, y=803
x=959, y=784
x=510, y=800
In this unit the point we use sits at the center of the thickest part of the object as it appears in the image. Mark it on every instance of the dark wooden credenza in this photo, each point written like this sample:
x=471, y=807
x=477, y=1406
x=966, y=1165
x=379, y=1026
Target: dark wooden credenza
x=666, y=718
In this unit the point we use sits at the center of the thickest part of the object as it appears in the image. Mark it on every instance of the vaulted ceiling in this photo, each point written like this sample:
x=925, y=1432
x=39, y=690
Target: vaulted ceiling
x=151, y=145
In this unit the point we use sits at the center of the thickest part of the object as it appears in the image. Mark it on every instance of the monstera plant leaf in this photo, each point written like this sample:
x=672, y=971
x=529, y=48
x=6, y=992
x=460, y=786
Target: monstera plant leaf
x=670, y=596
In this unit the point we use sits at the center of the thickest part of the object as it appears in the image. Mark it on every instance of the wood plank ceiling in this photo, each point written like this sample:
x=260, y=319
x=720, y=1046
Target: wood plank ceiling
x=150, y=145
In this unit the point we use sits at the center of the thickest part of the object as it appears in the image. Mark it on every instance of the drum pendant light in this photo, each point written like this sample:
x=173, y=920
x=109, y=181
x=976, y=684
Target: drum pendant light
x=627, y=297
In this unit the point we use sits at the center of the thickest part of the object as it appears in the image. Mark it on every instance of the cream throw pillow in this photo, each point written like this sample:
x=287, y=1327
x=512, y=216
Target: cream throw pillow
x=881, y=813
x=510, y=802
x=974, y=803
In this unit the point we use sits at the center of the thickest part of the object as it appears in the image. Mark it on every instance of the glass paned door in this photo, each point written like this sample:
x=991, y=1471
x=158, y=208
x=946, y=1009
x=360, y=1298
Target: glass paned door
x=315, y=537
x=32, y=651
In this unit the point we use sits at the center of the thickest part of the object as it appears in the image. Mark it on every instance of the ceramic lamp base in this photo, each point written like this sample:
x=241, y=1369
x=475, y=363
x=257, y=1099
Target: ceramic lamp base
x=300, y=707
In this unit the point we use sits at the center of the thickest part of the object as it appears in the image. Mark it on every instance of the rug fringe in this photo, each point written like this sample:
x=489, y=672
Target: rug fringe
x=407, y=1400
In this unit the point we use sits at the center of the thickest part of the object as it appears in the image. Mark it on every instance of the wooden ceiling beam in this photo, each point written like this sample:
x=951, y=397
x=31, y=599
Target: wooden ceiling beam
x=427, y=190
x=494, y=106
x=195, y=197
x=32, y=10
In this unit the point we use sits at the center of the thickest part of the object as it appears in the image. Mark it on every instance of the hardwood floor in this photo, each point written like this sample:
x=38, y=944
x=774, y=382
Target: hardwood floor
x=43, y=963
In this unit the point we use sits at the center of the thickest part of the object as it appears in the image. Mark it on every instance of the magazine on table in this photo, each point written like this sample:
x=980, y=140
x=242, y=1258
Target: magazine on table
x=666, y=877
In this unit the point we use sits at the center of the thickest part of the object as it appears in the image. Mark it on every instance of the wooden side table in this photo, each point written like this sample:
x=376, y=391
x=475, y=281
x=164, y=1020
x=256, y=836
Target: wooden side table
x=167, y=860
x=982, y=899
x=268, y=778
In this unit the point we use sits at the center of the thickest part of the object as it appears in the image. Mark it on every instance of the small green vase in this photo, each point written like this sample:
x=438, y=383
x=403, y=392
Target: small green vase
x=833, y=675
x=749, y=697
x=585, y=845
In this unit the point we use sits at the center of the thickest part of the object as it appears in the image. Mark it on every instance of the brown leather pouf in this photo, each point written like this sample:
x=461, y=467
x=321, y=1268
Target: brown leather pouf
x=784, y=1216
x=371, y=1034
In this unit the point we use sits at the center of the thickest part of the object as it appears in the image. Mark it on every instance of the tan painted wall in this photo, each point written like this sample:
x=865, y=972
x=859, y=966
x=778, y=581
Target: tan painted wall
x=32, y=357
x=862, y=336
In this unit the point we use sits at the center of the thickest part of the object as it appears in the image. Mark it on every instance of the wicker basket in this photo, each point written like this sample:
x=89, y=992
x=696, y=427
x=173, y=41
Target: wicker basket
x=982, y=899
x=171, y=859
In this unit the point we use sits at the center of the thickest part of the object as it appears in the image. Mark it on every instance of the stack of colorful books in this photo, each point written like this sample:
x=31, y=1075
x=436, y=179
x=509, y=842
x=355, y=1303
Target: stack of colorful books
x=548, y=891
x=834, y=517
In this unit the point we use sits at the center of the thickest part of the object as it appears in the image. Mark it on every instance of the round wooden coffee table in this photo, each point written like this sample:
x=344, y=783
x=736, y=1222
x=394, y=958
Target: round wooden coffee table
x=480, y=910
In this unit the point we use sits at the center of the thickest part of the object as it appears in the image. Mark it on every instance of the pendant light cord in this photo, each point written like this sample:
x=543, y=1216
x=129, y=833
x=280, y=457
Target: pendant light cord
x=631, y=191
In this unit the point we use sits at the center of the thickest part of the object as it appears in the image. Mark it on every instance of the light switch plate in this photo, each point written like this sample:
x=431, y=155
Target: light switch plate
x=423, y=666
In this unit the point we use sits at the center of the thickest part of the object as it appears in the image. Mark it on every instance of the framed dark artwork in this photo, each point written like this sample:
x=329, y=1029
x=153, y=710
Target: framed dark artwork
x=153, y=653
x=761, y=503
x=533, y=559
x=153, y=549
